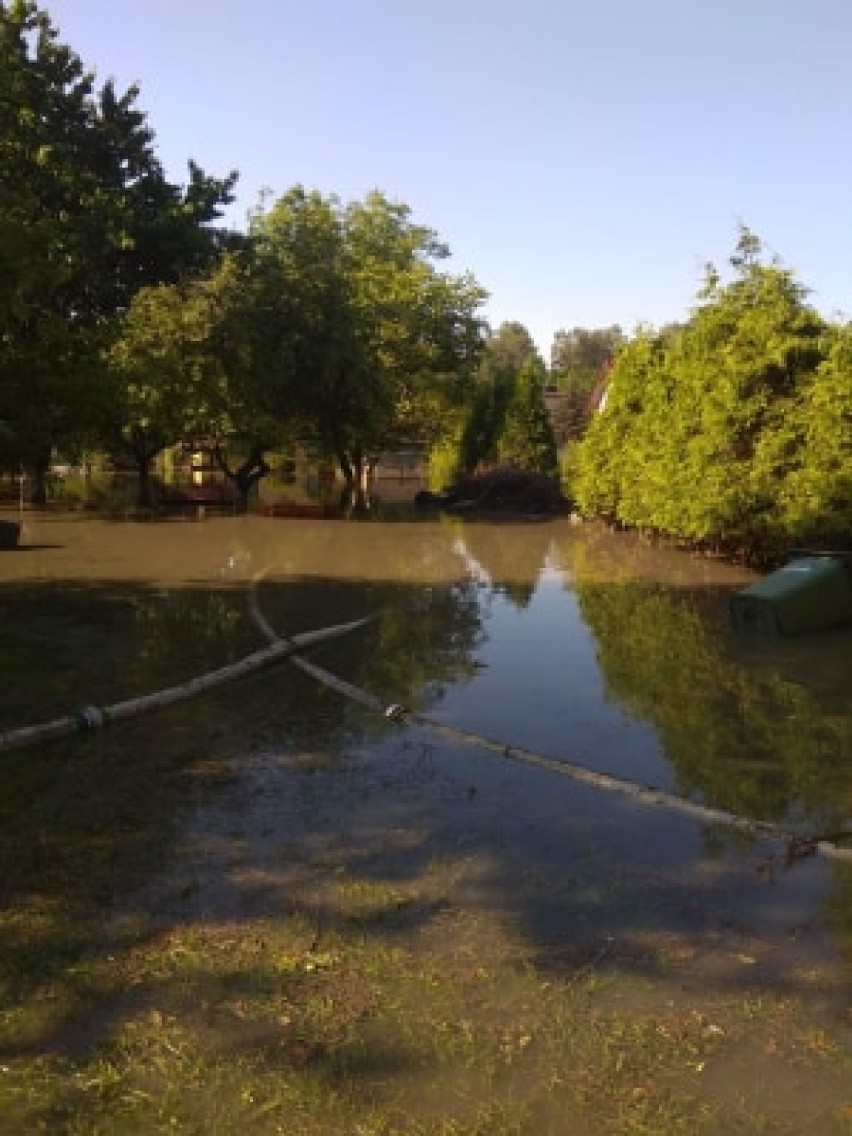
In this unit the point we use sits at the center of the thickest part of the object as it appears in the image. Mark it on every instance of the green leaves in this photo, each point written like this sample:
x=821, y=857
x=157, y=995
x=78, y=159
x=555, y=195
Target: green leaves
x=527, y=440
x=363, y=339
x=331, y=324
x=505, y=355
x=88, y=218
x=731, y=429
x=814, y=450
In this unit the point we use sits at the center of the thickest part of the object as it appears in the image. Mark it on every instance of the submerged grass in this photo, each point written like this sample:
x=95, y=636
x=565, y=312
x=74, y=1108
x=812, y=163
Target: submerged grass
x=341, y=994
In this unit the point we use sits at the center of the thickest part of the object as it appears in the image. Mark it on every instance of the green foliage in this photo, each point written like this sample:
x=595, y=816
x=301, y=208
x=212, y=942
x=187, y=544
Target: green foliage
x=567, y=462
x=754, y=742
x=506, y=352
x=360, y=335
x=527, y=438
x=87, y=218
x=577, y=358
x=722, y=430
x=583, y=351
x=444, y=462
x=169, y=383
x=809, y=454
x=603, y=460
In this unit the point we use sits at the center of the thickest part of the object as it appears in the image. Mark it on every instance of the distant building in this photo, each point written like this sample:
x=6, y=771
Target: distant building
x=570, y=412
x=600, y=390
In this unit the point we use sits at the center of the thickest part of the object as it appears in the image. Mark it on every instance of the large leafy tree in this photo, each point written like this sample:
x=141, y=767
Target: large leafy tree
x=419, y=325
x=170, y=368
x=357, y=333
x=88, y=217
x=308, y=353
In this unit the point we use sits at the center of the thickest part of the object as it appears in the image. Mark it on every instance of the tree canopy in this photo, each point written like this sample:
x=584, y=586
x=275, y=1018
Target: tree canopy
x=508, y=352
x=734, y=428
x=526, y=440
x=88, y=217
x=128, y=319
x=332, y=323
x=577, y=360
x=362, y=338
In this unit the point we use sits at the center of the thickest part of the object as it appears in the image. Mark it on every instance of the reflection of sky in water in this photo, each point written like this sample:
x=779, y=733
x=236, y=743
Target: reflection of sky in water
x=541, y=687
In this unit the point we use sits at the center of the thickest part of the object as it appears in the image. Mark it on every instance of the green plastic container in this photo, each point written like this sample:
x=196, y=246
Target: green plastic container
x=809, y=594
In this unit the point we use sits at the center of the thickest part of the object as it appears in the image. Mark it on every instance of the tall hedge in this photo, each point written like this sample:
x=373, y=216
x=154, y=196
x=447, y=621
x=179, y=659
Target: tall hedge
x=735, y=429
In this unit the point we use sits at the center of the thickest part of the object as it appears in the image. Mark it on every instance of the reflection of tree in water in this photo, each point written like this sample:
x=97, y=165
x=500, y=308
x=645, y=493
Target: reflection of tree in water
x=748, y=741
x=513, y=555
x=180, y=632
x=101, y=643
x=105, y=643
x=423, y=637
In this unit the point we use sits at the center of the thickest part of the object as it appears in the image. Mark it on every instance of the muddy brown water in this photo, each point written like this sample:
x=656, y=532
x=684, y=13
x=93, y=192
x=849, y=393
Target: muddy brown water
x=575, y=642
x=593, y=647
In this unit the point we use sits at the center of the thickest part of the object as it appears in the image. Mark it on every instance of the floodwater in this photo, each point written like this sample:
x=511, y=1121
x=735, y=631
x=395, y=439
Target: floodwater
x=585, y=646
x=579, y=643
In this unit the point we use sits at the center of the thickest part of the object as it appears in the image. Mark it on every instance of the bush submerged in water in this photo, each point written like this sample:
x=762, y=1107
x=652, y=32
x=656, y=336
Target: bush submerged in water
x=499, y=490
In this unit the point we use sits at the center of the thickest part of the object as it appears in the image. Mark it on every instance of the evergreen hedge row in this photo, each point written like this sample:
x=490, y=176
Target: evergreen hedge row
x=734, y=429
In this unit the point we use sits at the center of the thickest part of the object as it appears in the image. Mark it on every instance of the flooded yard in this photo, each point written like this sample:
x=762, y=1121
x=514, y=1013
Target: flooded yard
x=276, y=907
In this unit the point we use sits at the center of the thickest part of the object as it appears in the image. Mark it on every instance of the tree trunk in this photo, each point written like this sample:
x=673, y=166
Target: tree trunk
x=40, y=470
x=143, y=471
x=355, y=496
x=247, y=475
x=345, y=465
x=354, y=502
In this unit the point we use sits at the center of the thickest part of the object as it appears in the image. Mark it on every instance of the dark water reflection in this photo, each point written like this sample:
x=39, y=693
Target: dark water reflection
x=583, y=644
x=595, y=647
x=620, y=656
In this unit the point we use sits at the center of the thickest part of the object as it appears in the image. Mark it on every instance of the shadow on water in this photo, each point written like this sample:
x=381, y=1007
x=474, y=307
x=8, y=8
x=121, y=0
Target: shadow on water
x=275, y=805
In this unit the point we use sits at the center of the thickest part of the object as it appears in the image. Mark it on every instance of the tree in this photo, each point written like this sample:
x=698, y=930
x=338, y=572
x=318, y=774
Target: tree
x=506, y=353
x=526, y=440
x=362, y=338
x=705, y=426
x=583, y=350
x=507, y=349
x=88, y=218
x=605, y=462
x=168, y=383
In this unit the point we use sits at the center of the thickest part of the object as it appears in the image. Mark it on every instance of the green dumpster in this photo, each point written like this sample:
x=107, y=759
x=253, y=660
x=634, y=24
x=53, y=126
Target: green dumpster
x=808, y=594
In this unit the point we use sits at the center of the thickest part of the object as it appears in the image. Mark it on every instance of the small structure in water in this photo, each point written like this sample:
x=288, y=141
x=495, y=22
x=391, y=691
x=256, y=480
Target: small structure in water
x=10, y=531
x=500, y=491
x=813, y=591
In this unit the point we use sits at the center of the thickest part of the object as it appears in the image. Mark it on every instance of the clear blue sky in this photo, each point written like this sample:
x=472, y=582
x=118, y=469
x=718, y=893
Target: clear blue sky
x=583, y=158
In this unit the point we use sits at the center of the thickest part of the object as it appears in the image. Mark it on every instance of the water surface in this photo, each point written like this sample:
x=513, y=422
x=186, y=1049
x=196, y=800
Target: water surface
x=596, y=647
x=592, y=647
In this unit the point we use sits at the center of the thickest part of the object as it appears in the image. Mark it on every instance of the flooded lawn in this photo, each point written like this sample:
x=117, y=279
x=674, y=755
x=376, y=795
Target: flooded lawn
x=275, y=908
